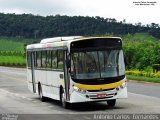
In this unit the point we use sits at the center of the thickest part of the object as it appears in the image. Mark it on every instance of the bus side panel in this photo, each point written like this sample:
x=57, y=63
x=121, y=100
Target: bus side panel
x=53, y=84
x=50, y=83
x=40, y=77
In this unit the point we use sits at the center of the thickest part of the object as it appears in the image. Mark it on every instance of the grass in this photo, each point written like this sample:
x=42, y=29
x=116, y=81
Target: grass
x=12, y=51
x=11, y=46
x=14, y=44
x=143, y=78
x=139, y=37
x=12, y=61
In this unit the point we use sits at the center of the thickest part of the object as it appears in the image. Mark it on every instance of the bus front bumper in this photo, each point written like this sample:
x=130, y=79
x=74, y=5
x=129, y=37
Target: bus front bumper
x=90, y=96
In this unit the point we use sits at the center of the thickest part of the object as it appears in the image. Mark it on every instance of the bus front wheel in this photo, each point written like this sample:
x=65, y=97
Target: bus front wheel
x=111, y=102
x=65, y=104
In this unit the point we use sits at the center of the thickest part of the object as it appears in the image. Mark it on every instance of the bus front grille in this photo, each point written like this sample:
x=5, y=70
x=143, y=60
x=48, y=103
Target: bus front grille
x=101, y=90
x=101, y=94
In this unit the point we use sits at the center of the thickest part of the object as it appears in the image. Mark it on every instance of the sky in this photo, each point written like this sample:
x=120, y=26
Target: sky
x=118, y=9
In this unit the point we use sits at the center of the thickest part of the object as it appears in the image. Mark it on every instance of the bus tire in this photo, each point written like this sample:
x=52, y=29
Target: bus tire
x=42, y=98
x=111, y=102
x=64, y=103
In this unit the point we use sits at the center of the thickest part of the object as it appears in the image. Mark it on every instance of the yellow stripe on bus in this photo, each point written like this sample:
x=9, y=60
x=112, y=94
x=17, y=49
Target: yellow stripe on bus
x=98, y=87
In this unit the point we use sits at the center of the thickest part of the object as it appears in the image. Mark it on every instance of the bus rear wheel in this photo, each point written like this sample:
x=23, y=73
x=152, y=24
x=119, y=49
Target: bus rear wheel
x=43, y=99
x=111, y=102
x=64, y=103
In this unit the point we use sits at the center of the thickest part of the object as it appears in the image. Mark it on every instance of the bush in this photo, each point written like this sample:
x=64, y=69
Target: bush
x=141, y=51
x=143, y=73
x=156, y=67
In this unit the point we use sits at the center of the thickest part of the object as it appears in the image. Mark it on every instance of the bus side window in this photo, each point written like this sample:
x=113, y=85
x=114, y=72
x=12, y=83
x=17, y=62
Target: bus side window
x=38, y=59
x=54, y=59
x=48, y=59
x=60, y=59
x=43, y=59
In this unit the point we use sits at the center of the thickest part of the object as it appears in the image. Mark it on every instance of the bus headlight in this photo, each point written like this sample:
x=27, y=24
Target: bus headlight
x=123, y=85
x=75, y=88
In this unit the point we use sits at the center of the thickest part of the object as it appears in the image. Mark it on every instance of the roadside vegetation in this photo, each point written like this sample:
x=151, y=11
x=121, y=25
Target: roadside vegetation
x=142, y=78
x=141, y=50
x=12, y=52
x=147, y=76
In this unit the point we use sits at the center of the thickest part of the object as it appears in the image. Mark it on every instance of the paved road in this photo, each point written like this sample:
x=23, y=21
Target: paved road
x=149, y=89
x=15, y=98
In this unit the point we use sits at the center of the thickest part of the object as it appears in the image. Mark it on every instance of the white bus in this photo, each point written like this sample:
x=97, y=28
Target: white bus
x=77, y=69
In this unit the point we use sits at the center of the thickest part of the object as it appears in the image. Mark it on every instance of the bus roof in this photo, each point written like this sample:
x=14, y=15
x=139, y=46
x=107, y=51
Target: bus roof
x=60, y=41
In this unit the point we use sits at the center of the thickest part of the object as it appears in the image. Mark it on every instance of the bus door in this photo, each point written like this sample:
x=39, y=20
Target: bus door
x=32, y=71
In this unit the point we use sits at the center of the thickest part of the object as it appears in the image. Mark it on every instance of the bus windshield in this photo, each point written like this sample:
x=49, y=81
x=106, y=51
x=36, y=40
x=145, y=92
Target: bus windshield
x=97, y=64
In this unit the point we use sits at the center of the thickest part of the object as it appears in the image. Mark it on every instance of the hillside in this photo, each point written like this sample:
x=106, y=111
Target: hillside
x=31, y=26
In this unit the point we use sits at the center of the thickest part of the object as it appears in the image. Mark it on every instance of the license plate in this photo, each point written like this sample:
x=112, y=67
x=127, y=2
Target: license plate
x=101, y=95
